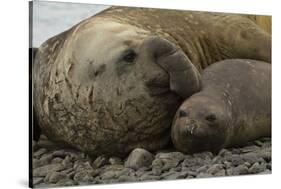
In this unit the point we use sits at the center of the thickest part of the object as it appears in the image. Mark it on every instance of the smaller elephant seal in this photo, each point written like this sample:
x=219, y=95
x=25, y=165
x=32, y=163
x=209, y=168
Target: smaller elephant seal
x=233, y=107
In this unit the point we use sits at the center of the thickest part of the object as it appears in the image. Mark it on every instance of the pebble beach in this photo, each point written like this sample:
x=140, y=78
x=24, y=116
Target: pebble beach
x=54, y=166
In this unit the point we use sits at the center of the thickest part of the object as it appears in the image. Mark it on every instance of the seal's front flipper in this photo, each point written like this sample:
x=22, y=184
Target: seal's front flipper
x=185, y=79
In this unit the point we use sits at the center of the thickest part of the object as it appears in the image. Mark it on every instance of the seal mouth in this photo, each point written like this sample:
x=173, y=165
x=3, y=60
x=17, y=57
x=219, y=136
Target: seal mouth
x=158, y=88
x=190, y=136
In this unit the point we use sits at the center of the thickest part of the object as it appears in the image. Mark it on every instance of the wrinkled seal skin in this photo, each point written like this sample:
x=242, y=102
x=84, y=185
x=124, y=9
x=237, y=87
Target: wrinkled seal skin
x=234, y=107
x=114, y=81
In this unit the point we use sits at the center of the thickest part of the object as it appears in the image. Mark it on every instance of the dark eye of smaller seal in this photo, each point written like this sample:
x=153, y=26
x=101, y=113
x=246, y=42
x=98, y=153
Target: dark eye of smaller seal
x=183, y=113
x=130, y=56
x=211, y=117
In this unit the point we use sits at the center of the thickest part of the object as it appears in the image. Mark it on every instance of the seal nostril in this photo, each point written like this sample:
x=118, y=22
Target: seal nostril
x=182, y=113
x=190, y=129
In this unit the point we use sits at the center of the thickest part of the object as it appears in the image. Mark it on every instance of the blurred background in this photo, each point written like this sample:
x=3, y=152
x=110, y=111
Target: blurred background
x=52, y=18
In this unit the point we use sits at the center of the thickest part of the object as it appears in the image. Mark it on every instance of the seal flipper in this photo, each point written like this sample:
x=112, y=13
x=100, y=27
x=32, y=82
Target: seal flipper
x=185, y=79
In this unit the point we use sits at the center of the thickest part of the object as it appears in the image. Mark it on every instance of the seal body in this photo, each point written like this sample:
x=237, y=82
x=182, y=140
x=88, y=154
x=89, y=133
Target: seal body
x=113, y=82
x=233, y=107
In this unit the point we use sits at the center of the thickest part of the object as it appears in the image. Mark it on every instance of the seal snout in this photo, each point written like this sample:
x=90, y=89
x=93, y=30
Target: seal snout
x=195, y=129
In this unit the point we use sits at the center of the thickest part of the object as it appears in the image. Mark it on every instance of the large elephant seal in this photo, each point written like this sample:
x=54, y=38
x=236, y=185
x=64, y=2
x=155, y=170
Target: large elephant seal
x=114, y=81
x=233, y=107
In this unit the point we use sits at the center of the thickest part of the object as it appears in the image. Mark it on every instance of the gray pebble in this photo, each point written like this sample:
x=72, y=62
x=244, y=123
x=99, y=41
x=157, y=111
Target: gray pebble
x=251, y=148
x=57, y=160
x=45, y=159
x=39, y=153
x=139, y=158
x=204, y=175
x=224, y=152
x=215, y=169
x=220, y=173
x=257, y=167
x=34, y=145
x=47, y=144
x=37, y=180
x=170, y=155
x=125, y=172
x=126, y=178
x=176, y=175
x=83, y=176
x=202, y=168
x=252, y=158
x=66, y=182
x=235, y=159
x=267, y=171
x=43, y=137
x=148, y=177
x=67, y=162
x=44, y=170
x=82, y=166
x=268, y=166
x=108, y=175
x=239, y=170
x=170, y=160
x=258, y=143
x=100, y=161
x=157, y=166
x=115, y=161
x=56, y=176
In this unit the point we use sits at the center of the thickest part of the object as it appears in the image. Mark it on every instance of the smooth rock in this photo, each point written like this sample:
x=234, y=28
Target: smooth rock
x=139, y=158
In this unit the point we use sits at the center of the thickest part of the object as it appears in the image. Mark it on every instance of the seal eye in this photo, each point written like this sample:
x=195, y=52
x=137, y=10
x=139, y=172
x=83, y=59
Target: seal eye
x=211, y=118
x=130, y=56
x=183, y=113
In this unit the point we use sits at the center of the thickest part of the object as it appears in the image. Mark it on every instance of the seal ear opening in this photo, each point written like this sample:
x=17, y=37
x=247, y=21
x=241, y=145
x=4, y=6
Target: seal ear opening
x=185, y=79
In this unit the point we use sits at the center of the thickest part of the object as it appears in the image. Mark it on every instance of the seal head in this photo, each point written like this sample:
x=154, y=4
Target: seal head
x=200, y=124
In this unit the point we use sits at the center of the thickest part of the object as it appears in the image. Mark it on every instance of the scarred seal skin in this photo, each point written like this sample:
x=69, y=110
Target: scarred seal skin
x=234, y=107
x=113, y=82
